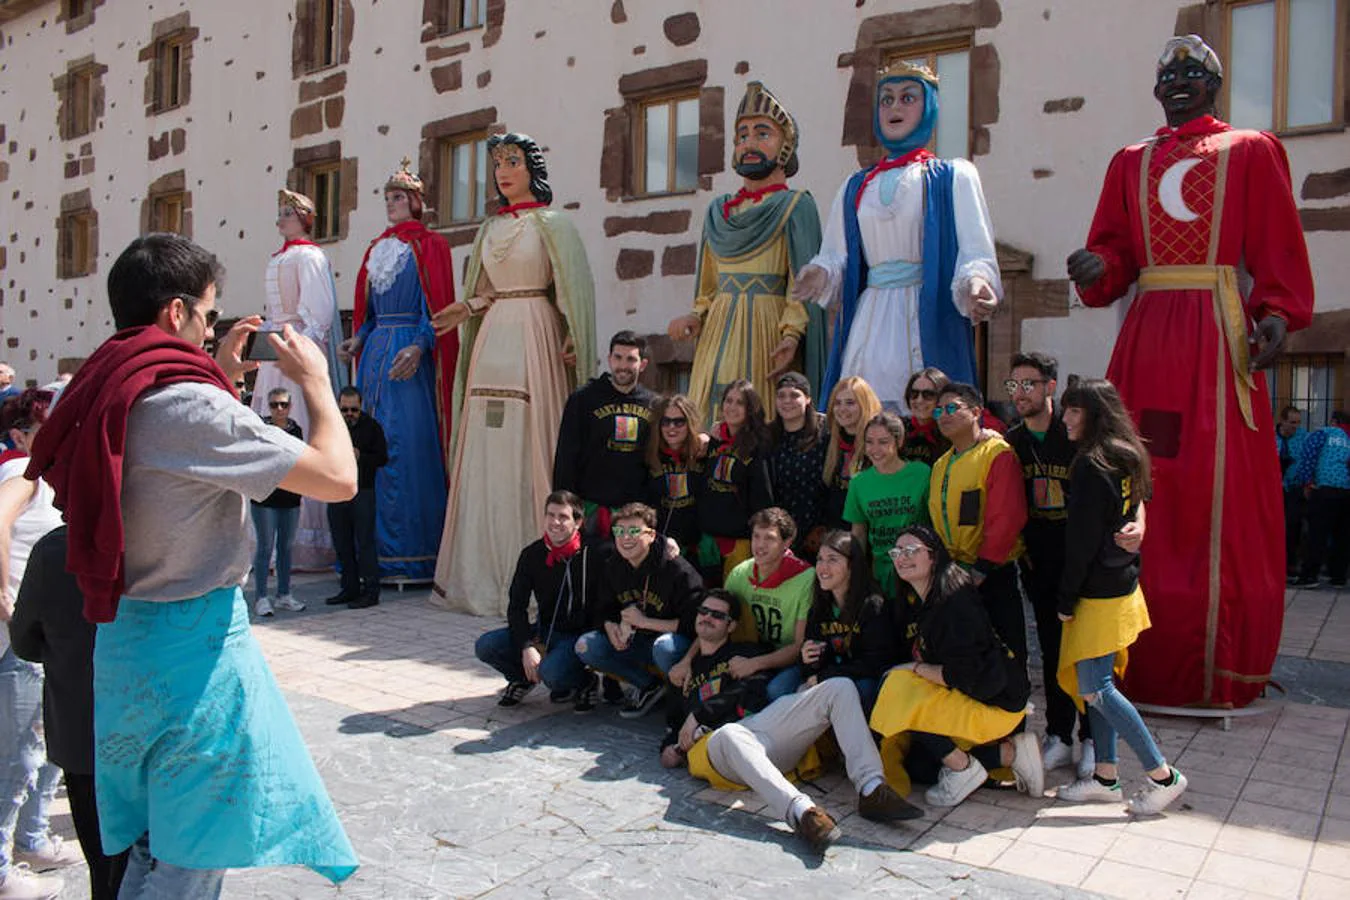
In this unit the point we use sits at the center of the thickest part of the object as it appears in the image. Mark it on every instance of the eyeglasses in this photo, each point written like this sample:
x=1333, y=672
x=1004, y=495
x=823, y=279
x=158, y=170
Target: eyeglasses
x=950, y=409
x=908, y=552
x=629, y=531
x=673, y=422
x=1025, y=385
x=714, y=614
x=279, y=404
x=350, y=410
x=921, y=393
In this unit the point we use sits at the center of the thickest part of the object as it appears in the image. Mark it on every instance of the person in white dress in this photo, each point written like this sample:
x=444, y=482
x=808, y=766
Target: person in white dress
x=908, y=257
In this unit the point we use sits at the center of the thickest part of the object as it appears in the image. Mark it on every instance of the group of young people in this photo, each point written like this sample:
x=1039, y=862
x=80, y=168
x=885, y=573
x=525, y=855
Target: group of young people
x=854, y=569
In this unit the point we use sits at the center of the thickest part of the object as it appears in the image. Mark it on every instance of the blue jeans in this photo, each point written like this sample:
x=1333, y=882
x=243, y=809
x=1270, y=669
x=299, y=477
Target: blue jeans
x=154, y=879
x=27, y=780
x=668, y=649
x=785, y=682
x=561, y=670
x=1110, y=714
x=276, y=528
x=631, y=664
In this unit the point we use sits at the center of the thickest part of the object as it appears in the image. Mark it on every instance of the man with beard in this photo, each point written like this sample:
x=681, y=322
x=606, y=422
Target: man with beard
x=1179, y=215
x=753, y=241
x=603, y=435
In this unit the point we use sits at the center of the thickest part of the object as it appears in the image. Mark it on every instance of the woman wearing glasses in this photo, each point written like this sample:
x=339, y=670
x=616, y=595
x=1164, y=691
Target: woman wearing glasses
x=923, y=441
x=963, y=693
x=849, y=632
x=887, y=495
x=674, y=459
x=274, y=521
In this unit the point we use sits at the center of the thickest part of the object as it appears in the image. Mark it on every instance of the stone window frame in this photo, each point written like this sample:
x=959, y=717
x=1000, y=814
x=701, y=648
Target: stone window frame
x=77, y=236
x=929, y=48
x=160, y=197
x=431, y=165
x=77, y=18
x=437, y=24
x=638, y=175
x=446, y=16
x=309, y=24
x=310, y=163
x=166, y=35
x=79, y=71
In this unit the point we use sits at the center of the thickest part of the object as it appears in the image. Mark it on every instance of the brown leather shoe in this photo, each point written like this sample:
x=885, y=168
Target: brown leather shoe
x=817, y=828
x=885, y=805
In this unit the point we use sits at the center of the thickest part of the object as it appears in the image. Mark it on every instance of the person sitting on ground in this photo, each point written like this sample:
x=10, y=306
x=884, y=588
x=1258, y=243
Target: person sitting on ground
x=646, y=605
x=755, y=751
x=964, y=693
x=849, y=630
x=561, y=572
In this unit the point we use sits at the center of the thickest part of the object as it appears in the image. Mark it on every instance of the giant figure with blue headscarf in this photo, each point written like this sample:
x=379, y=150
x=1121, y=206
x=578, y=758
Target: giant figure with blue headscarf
x=908, y=256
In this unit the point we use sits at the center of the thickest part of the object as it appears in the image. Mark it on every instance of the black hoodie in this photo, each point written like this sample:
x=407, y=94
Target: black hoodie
x=956, y=634
x=565, y=593
x=601, y=442
x=662, y=588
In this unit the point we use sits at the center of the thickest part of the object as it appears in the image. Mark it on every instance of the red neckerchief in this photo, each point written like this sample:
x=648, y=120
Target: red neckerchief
x=12, y=453
x=674, y=456
x=565, y=552
x=515, y=209
x=790, y=566
x=743, y=196
x=924, y=428
x=294, y=242
x=846, y=445
x=918, y=155
x=1194, y=128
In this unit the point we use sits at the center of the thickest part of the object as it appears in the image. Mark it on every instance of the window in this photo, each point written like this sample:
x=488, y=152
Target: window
x=458, y=15
x=464, y=182
x=1281, y=67
x=80, y=103
x=166, y=213
x=323, y=189
x=325, y=47
x=169, y=72
x=668, y=146
x=75, y=244
x=950, y=60
x=1309, y=381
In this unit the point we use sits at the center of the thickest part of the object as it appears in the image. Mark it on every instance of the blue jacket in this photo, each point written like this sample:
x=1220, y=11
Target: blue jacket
x=1325, y=460
x=1290, y=449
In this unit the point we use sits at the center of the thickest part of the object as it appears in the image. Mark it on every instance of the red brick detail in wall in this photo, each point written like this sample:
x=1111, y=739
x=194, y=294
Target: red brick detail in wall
x=1325, y=185
x=333, y=108
x=633, y=264
x=484, y=78
x=617, y=14
x=711, y=131
x=306, y=120
x=1063, y=105
x=682, y=29
x=323, y=87
x=448, y=77
x=435, y=53
x=674, y=221
x=681, y=259
x=688, y=74
x=1325, y=218
x=158, y=147
x=494, y=17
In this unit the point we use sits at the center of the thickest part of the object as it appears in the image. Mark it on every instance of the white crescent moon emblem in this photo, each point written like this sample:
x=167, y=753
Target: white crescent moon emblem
x=1169, y=191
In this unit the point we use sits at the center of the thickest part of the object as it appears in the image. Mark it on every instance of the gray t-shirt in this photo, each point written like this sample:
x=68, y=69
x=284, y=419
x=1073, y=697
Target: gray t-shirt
x=193, y=456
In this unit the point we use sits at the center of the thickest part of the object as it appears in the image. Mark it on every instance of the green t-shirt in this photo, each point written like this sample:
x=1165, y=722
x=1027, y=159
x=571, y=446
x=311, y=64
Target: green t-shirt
x=776, y=610
x=886, y=504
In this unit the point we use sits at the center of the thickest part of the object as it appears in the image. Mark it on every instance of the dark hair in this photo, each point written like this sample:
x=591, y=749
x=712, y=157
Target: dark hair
x=947, y=577
x=1108, y=439
x=731, y=600
x=629, y=339
x=1339, y=417
x=636, y=511
x=567, y=498
x=754, y=434
x=813, y=429
x=1291, y=408
x=968, y=393
x=655, y=441
x=893, y=424
x=350, y=391
x=1047, y=365
x=933, y=374
x=25, y=410
x=534, y=163
x=777, y=518
x=860, y=583
x=152, y=271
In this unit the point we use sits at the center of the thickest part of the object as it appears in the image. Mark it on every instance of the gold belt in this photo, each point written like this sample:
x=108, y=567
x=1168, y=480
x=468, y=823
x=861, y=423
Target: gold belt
x=522, y=292
x=1221, y=281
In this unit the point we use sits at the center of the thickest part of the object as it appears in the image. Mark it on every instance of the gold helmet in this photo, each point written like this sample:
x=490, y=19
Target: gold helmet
x=758, y=101
x=404, y=179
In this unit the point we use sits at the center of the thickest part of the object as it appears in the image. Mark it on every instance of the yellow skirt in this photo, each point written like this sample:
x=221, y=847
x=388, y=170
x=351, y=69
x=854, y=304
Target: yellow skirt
x=700, y=766
x=1100, y=627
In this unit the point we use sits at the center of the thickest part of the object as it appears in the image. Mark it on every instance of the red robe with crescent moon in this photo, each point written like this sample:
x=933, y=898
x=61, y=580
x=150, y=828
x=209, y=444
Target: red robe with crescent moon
x=1208, y=196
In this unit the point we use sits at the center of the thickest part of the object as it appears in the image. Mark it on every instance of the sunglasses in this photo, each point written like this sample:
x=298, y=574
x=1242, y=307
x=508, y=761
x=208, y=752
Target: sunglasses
x=349, y=410
x=211, y=317
x=714, y=614
x=950, y=409
x=673, y=422
x=279, y=404
x=1025, y=385
x=905, y=552
x=922, y=393
x=629, y=531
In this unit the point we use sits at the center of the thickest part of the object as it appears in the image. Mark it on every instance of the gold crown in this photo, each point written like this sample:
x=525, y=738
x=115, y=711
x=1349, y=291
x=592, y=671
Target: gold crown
x=903, y=68
x=759, y=101
x=404, y=179
x=297, y=202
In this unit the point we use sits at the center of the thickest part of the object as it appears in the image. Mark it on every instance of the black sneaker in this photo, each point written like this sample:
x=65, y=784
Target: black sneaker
x=339, y=599
x=588, y=697
x=611, y=690
x=515, y=692
x=640, y=702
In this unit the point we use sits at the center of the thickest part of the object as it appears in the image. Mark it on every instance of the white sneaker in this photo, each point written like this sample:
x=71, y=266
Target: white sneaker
x=1154, y=797
x=263, y=607
x=1027, y=765
x=55, y=853
x=288, y=603
x=1087, y=759
x=954, y=786
x=1055, y=754
x=22, y=884
x=1090, y=790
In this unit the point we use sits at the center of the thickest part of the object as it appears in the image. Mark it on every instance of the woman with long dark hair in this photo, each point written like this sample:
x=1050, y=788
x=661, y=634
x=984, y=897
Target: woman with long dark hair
x=852, y=405
x=799, y=440
x=674, y=457
x=888, y=494
x=963, y=687
x=737, y=484
x=1100, y=602
x=923, y=440
x=849, y=632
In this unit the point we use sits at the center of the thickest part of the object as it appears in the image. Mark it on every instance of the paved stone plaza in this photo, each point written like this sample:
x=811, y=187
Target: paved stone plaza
x=446, y=795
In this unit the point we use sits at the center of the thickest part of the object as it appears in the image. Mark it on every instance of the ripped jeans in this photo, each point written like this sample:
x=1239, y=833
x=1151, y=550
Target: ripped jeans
x=1110, y=714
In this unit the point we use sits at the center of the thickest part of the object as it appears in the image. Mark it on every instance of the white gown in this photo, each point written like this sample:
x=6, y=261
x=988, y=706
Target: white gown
x=883, y=345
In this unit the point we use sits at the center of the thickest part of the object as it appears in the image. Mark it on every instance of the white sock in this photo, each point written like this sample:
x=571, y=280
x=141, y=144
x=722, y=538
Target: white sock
x=797, y=808
x=872, y=784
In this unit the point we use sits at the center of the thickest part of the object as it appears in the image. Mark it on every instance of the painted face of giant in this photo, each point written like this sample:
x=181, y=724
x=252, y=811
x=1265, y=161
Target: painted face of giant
x=1186, y=89
x=758, y=142
x=899, y=108
x=511, y=173
x=397, y=207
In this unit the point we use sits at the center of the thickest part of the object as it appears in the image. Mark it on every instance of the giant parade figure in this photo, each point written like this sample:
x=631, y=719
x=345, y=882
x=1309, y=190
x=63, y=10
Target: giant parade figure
x=747, y=323
x=405, y=375
x=908, y=256
x=528, y=329
x=1201, y=219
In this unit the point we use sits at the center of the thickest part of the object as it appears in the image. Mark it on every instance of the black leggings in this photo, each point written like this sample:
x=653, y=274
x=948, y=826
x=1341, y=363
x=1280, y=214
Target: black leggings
x=105, y=872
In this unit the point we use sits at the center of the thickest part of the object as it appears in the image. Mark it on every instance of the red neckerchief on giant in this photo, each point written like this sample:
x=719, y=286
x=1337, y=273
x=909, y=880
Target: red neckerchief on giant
x=564, y=552
x=294, y=242
x=743, y=196
x=515, y=209
x=1205, y=124
x=788, y=568
x=918, y=155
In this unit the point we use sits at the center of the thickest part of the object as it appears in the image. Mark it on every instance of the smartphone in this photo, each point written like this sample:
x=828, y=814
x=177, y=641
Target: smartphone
x=260, y=349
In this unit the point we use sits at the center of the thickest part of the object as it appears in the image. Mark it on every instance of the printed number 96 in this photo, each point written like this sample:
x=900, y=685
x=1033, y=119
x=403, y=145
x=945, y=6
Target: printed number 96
x=772, y=630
